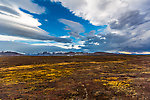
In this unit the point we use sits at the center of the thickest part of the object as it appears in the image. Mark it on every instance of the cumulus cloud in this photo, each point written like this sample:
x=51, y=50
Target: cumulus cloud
x=127, y=23
x=15, y=22
x=101, y=12
x=74, y=27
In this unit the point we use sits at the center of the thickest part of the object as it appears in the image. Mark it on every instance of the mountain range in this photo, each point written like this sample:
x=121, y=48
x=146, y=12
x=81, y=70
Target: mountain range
x=10, y=53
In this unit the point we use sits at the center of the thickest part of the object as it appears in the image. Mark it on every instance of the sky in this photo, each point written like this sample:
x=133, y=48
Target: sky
x=117, y=26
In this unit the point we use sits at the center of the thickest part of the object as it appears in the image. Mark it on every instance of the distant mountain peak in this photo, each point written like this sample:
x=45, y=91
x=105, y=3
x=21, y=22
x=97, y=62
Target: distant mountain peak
x=10, y=53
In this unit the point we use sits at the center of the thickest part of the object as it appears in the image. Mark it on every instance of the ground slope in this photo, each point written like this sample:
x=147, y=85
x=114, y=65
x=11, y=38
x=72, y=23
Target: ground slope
x=80, y=77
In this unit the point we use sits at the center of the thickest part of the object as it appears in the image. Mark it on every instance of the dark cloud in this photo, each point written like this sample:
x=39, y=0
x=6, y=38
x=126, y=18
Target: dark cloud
x=130, y=19
x=130, y=33
x=115, y=42
x=127, y=23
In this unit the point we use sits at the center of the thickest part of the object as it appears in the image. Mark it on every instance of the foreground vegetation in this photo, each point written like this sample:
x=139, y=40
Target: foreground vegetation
x=80, y=77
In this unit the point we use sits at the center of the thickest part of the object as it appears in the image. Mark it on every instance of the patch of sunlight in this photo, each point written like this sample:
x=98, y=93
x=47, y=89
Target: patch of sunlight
x=117, y=85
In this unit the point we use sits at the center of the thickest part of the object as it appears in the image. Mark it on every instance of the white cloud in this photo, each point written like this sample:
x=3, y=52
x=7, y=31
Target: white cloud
x=24, y=4
x=13, y=38
x=19, y=17
x=15, y=22
x=65, y=37
x=61, y=45
x=127, y=22
x=101, y=12
x=74, y=27
x=46, y=20
x=98, y=12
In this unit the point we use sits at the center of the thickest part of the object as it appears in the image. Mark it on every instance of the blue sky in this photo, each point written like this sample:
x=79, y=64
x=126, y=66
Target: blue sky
x=32, y=26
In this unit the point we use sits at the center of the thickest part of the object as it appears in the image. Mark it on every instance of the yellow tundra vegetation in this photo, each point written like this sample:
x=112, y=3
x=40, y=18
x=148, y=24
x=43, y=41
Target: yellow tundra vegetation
x=117, y=85
x=70, y=78
x=34, y=75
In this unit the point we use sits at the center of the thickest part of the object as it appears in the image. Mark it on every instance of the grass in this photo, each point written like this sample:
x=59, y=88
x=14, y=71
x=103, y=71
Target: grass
x=80, y=77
